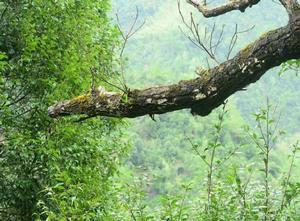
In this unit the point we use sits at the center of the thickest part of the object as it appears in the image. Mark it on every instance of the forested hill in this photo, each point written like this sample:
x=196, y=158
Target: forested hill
x=160, y=53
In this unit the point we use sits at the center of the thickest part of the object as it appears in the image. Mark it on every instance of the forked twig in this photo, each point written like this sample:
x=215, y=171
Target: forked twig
x=196, y=38
x=234, y=39
x=126, y=36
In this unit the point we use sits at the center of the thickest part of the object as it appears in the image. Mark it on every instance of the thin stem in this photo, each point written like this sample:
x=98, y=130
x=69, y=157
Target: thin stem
x=266, y=161
x=182, y=203
x=286, y=183
x=210, y=177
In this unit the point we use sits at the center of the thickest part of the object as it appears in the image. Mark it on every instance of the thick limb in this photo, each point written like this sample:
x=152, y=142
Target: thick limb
x=200, y=95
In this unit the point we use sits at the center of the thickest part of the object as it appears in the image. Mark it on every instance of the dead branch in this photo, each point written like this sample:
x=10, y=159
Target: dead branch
x=220, y=10
x=211, y=41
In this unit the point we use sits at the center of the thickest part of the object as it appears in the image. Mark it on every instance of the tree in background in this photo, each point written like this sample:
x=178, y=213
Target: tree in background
x=54, y=169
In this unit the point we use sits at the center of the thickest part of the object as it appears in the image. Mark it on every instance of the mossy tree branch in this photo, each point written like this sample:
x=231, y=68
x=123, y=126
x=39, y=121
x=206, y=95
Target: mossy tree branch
x=200, y=95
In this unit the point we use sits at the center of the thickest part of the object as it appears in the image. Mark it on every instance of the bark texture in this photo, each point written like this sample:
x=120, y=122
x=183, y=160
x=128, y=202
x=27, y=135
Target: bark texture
x=200, y=95
x=228, y=7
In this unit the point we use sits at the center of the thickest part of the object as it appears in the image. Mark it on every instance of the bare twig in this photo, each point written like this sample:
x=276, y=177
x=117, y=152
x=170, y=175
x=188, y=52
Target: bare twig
x=204, y=44
x=126, y=36
x=234, y=39
x=94, y=74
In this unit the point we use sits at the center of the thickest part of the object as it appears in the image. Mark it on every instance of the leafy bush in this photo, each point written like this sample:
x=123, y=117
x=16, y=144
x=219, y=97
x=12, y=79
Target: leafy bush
x=54, y=169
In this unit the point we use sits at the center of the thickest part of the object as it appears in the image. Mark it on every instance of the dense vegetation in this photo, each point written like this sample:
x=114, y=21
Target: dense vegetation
x=177, y=168
x=54, y=169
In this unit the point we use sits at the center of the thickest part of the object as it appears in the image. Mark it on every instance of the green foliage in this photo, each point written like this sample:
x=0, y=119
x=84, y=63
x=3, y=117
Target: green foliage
x=292, y=65
x=55, y=169
x=2, y=61
x=233, y=187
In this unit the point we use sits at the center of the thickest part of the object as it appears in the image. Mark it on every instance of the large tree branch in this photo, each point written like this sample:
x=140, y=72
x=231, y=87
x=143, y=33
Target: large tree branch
x=202, y=94
x=228, y=7
x=291, y=6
